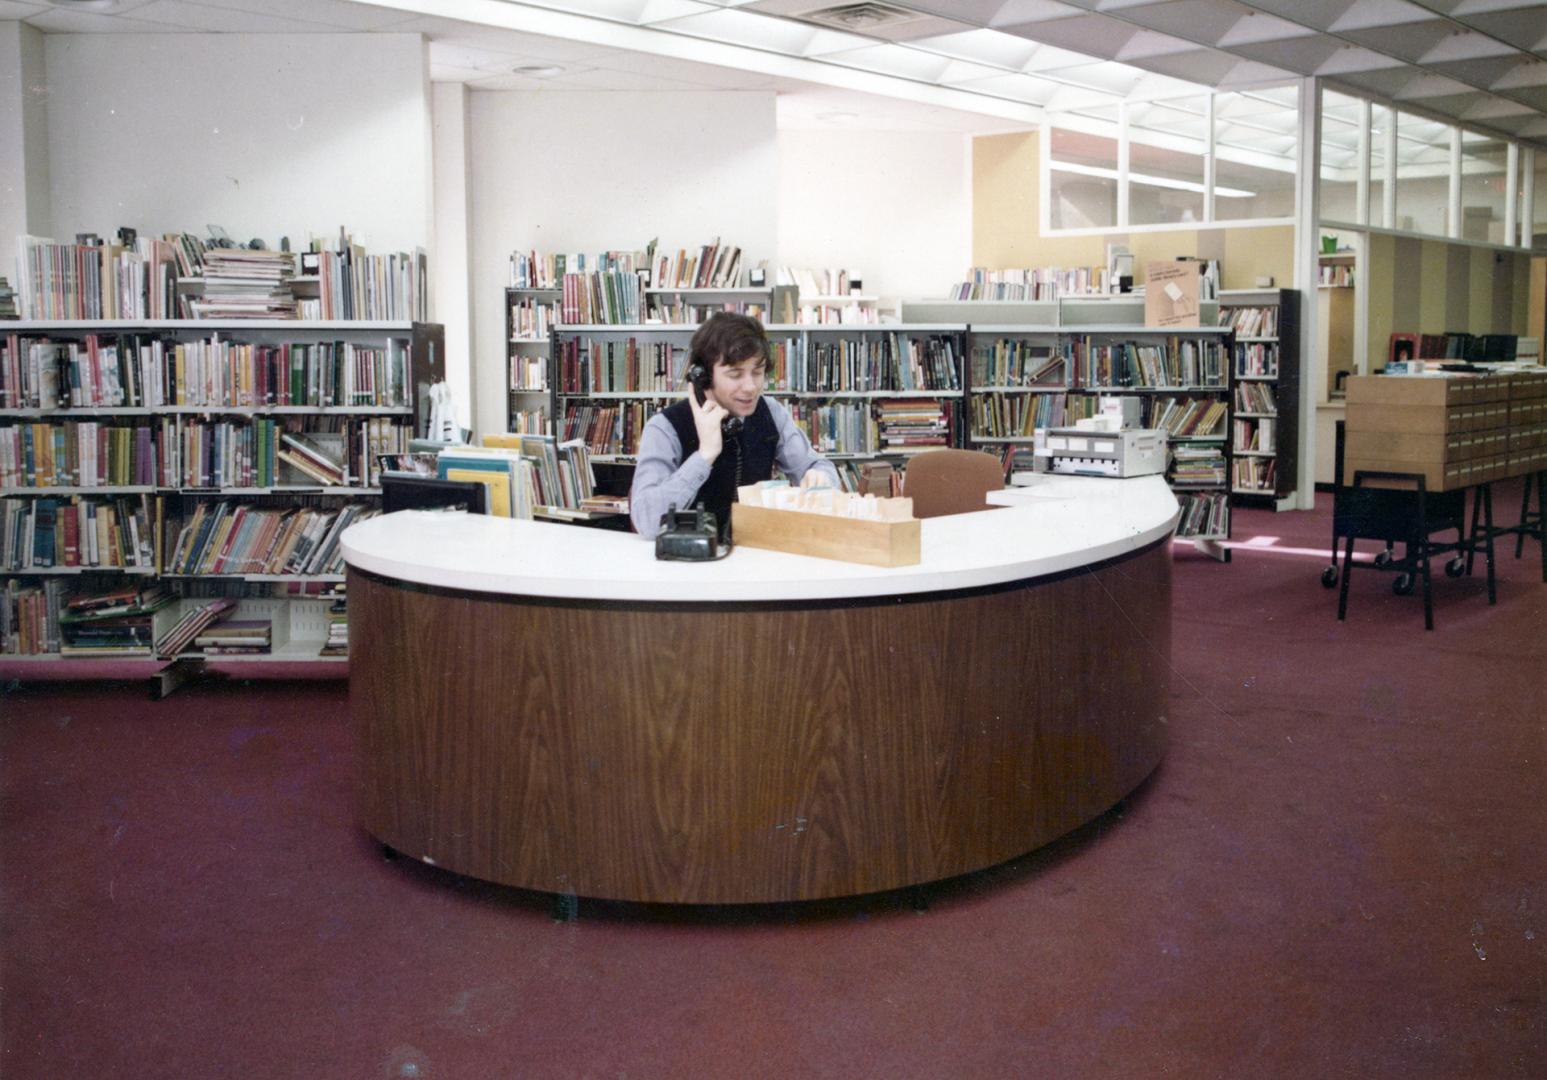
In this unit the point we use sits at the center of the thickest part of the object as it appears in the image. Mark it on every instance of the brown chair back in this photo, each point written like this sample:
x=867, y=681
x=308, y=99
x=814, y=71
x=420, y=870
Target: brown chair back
x=942, y=482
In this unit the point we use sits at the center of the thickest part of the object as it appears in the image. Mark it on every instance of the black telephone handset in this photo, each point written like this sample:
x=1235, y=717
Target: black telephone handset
x=699, y=378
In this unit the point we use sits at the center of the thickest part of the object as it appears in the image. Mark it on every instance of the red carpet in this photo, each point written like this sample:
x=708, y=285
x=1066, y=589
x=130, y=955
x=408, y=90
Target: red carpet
x=1339, y=871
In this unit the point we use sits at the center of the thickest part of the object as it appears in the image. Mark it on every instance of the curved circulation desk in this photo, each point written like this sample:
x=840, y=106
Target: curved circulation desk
x=549, y=707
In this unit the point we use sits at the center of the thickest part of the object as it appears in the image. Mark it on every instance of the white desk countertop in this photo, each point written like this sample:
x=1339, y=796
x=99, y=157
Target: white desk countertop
x=1058, y=523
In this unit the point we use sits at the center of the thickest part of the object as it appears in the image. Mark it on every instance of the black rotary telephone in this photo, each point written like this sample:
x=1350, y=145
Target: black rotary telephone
x=700, y=379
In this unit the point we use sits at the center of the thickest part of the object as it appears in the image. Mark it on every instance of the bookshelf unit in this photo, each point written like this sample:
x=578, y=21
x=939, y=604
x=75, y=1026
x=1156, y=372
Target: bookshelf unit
x=530, y=315
x=1265, y=366
x=1039, y=364
x=844, y=384
x=202, y=428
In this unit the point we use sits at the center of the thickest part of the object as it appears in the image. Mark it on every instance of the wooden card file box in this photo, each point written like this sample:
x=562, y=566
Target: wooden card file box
x=875, y=543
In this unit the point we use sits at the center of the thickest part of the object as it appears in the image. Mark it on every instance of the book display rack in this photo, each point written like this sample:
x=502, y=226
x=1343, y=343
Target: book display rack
x=150, y=468
x=1265, y=362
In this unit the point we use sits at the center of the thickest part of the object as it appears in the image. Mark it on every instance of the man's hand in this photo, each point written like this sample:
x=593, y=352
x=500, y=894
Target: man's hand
x=707, y=418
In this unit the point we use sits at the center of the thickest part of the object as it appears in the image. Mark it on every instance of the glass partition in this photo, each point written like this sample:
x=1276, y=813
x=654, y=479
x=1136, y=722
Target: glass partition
x=1423, y=175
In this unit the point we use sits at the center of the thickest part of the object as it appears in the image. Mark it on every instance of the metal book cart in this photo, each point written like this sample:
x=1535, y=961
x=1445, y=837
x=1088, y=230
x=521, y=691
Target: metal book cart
x=1409, y=514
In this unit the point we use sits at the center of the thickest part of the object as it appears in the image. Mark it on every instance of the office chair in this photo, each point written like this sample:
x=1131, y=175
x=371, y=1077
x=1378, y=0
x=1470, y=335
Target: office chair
x=942, y=482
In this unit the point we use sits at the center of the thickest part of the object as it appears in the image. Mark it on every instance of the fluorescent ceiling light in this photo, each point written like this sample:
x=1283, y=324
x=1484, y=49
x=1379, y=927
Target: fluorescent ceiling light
x=1152, y=181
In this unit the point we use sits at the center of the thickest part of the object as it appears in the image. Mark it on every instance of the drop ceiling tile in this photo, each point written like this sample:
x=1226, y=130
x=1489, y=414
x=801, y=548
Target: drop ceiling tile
x=1466, y=45
x=1018, y=12
x=340, y=14
x=1432, y=86
x=56, y=21
x=1303, y=55
x=1148, y=43
x=496, y=39
x=1534, y=96
x=1261, y=26
x=982, y=47
x=1522, y=27
x=1202, y=65
x=1351, y=58
x=1493, y=108
x=1456, y=105
x=1204, y=21
x=600, y=79
x=1410, y=43
x=1484, y=72
x=1387, y=83
x=219, y=20
x=1092, y=35
x=508, y=82
x=14, y=9
x=1251, y=73
x=687, y=71
x=1530, y=74
x=1365, y=14
x=1050, y=58
x=1318, y=13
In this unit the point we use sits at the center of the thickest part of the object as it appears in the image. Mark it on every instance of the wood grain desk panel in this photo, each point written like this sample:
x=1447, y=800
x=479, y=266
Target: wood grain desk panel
x=719, y=753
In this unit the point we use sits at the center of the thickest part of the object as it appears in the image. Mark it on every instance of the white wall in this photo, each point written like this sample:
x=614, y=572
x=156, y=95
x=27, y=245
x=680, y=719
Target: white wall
x=568, y=171
x=24, y=194
x=266, y=135
x=892, y=207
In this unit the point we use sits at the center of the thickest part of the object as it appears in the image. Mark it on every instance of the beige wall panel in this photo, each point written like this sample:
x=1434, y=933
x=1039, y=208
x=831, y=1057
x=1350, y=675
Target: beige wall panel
x=1004, y=200
x=1377, y=277
x=1253, y=253
x=1432, y=287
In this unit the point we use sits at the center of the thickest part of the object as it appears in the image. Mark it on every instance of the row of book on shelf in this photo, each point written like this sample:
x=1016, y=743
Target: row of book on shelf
x=180, y=276
x=150, y=371
x=135, y=534
x=144, y=620
x=709, y=266
x=183, y=452
x=876, y=364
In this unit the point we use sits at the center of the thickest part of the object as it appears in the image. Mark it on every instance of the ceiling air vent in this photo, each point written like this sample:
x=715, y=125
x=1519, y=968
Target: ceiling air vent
x=858, y=17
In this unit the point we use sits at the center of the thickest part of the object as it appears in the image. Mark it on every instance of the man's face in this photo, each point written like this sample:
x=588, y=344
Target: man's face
x=737, y=386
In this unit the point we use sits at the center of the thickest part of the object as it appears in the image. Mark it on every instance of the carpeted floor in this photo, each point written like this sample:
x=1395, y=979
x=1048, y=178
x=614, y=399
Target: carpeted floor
x=1340, y=870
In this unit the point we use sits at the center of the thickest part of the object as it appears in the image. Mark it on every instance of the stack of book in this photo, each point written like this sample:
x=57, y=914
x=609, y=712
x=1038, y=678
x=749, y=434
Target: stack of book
x=118, y=623
x=236, y=637
x=242, y=283
x=8, y=308
x=1197, y=465
x=911, y=425
x=338, y=626
x=193, y=623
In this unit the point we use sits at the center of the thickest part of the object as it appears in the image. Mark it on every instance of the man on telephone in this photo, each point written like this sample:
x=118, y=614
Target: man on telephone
x=723, y=434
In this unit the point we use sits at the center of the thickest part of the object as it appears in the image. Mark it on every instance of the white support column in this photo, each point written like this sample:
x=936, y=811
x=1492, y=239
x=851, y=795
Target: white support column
x=451, y=255
x=1210, y=172
x=1388, y=192
x=1307, y=243
x=1527, y=198
x=1122, y=165
x=1362, y=192
x=1511, y=190
x=1453, y=224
